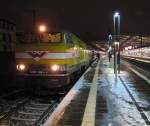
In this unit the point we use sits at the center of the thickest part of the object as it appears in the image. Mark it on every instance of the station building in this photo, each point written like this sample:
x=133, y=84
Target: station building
x=7, y=36
x=7, y=46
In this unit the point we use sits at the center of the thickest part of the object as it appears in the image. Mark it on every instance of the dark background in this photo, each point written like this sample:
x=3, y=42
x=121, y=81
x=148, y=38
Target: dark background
x=90, y=19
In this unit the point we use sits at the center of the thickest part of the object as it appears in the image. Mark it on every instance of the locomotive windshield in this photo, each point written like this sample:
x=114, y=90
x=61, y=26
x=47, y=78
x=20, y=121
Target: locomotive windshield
x=39, y=38
x=55, y=37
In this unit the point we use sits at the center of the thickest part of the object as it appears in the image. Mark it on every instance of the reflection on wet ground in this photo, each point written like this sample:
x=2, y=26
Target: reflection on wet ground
x=121, y=109
x=122, y=100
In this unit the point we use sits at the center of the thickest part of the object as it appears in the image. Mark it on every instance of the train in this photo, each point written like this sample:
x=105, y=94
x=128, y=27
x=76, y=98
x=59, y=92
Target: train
x=57, y=57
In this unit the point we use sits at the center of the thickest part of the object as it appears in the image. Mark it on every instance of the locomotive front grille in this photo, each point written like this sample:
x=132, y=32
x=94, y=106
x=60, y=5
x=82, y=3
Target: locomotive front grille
x=43, y=69
x=38, y=69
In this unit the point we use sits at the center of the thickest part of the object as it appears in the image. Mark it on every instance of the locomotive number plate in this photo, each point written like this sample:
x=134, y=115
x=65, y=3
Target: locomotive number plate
x=37, y=72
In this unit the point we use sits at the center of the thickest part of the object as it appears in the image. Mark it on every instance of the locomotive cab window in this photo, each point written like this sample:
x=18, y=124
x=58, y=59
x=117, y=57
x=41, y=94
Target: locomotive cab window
x=54, y=37
x=69, y=39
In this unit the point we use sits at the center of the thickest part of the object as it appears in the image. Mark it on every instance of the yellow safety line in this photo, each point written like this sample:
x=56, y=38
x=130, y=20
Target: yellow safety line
x=90, y=109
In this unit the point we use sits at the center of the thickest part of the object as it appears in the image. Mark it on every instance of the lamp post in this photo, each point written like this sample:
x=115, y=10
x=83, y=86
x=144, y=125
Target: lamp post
x=116, y=59
x=116, y=19
x=110, y=40
x=110, y=46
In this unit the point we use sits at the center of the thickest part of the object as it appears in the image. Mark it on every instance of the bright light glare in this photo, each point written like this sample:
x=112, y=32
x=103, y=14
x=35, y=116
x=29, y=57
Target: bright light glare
x=116, y=43
x=21, y=67
x=116, y=14
x=110, y=37
x=55, y=67
x=126, y=48
x=110, y=48
x=42, y=28
x=129, y=47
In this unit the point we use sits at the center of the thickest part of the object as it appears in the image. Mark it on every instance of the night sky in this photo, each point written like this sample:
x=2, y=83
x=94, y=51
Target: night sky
x=90, y=19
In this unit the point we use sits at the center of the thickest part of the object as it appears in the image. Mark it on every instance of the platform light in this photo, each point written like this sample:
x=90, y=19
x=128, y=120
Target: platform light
x=129, y=47
x=126, y=48
x=116, y=43
x=110, y=48
x=116, y=14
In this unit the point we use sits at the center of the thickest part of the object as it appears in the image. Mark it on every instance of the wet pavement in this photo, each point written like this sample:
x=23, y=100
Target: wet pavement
x=122, y=109
x=122, y=100
x=71, y=110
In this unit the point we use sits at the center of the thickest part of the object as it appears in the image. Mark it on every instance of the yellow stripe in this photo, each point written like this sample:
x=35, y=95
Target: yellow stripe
x=43, y=47
x=45, y=61
x=90, y=109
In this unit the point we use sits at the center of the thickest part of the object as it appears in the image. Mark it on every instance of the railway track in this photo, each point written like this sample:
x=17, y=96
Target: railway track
x=7, y=107
x=143, y=91
x=9, y=102
x=21, y=109
x=12, y=93
x=145, y=64
x=28, y=112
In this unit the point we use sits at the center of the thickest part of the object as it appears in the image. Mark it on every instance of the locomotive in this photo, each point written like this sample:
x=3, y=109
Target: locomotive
x=56, y=56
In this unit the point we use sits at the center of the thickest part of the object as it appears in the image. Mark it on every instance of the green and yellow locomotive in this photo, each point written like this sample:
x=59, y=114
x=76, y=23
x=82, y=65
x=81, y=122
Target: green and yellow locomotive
x=57, y=56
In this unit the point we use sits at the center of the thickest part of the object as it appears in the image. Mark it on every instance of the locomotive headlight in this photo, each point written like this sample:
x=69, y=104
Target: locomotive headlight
x=55, y=67
x=21, y=67
x=58, y=68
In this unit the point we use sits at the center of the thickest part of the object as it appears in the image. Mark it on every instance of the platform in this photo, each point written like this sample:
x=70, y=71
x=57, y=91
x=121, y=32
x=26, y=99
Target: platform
x=101, y=98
